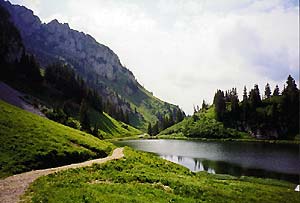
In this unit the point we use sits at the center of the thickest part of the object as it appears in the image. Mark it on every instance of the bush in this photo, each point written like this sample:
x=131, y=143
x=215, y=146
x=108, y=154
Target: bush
x=57, y=115
x=73, y=123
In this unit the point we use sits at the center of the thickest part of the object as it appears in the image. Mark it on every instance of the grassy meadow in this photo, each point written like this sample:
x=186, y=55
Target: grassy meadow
x=29, y=142
x=144, y=177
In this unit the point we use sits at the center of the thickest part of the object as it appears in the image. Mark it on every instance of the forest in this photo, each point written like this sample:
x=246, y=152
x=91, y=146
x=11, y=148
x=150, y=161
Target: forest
x=273, y=115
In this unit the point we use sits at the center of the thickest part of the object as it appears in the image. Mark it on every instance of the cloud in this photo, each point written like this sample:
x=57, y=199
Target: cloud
x=185, y=50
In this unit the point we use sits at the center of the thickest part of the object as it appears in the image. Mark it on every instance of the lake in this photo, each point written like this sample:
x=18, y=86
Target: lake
x=266, y=160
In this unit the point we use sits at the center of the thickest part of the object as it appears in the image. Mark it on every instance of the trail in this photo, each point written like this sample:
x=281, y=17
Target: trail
x=13, y=187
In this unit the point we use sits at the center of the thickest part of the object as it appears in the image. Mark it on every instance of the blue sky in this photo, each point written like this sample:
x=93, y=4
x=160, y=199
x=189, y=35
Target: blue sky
x=184, y=50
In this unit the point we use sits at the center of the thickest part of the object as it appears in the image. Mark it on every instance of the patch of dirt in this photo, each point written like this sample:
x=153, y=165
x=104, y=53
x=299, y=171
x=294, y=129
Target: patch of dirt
x=13, y=187
x=162, y=186
x=101, y=182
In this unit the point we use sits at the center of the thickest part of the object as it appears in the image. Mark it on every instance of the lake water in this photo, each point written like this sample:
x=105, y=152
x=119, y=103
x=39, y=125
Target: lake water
x=279, y=161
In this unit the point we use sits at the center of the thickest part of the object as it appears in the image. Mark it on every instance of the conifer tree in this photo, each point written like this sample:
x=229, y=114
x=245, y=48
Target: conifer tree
x=276, y=91
x=291, y=106
x=179, y=116
x=149, y=131
x=95, y=130
x=254, y=97
x=245, y=96
x=267, y=91
x=220, y=105
x=155, y=129
x=83, y=114
x=235, y=110
x=204, y=105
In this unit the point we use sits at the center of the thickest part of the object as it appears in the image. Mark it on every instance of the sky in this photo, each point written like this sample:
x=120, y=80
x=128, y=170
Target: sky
x=184, y=50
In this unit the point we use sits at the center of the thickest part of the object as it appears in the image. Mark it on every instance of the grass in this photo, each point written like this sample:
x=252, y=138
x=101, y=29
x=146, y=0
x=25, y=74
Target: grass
x=28, y=141
x=149, y=106
x=50, y=97
x=202, y=125
x=144, y=177
x=111, y=128
x=180, y=136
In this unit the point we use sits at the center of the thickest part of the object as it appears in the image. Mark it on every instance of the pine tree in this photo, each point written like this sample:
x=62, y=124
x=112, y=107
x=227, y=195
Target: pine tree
x=245, y=95
x=235, y=110
x=149, y=131
x=127, y=121
x=204, y=105
x=155, y=129
x=83, y=114
x=291, y=87
x=95, y=130
x=276, y=91
x=195, y=111
x=220, y=105
x=245, y=113
x=29, y=70
x=291, y=106
x=179, y=116
x=267, y=91
x=254, y=97
x=171, y=120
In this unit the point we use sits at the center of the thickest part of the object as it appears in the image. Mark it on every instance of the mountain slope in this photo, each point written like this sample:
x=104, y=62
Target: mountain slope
x=29, y=142
x=96, y=63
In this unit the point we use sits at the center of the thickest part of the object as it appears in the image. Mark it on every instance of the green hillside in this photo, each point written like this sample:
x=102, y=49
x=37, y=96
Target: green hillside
x=144, y=177
x=111, y=128
x=150, y=107
x=29, y=142
x=201, y=125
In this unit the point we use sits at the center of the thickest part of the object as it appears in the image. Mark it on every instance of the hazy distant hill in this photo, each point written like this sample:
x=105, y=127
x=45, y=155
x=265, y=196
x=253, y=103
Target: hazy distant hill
x=96, y=63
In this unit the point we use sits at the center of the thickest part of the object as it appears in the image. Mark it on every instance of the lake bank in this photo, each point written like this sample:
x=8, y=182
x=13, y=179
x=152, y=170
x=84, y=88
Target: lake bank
x=258, y=159
x=143, y=177
x=168, y=137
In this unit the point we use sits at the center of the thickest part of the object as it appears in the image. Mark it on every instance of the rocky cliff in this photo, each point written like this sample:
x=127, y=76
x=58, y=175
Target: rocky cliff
x=96, y=63
x=11, y=46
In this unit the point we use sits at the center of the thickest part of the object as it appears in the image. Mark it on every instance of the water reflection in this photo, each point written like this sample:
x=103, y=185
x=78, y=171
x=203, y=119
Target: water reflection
x=221, y=167
x=265, y=160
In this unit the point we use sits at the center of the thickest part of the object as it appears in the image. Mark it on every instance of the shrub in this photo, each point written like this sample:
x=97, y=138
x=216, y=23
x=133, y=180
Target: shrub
x=73, y=123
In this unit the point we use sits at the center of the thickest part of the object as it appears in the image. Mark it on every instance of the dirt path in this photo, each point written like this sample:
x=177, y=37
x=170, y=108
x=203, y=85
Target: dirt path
x=11, y=188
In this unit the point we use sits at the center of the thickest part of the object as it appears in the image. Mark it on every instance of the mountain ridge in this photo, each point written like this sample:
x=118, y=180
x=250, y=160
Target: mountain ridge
x=96, y=63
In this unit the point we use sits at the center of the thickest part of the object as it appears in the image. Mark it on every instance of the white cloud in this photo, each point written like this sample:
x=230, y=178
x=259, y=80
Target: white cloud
x=186, y=49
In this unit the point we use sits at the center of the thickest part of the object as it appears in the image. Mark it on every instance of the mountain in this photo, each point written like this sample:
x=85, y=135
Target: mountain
x=97, y=64
x=11, y=46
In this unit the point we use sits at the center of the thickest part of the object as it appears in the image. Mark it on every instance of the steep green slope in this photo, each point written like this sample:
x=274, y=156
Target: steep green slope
x=201, y=125
x=111, y=128
x=143, y=177
x=150, y=107
x=46, y=100
x=28, y=141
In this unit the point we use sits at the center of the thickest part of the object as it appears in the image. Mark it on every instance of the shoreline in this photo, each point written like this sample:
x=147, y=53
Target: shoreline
x=147, y=137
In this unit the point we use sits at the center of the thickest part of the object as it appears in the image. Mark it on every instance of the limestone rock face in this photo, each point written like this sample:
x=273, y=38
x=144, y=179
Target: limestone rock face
x=62, y=43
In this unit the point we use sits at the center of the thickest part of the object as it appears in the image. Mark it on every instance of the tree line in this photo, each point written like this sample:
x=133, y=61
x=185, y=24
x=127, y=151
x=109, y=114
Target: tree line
x=273, y=115
x=165, y=121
